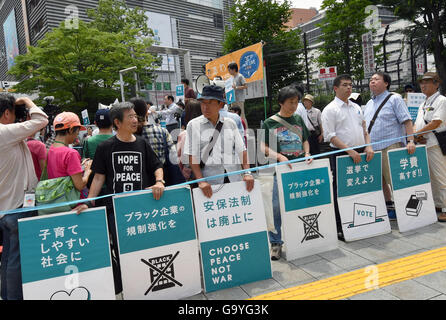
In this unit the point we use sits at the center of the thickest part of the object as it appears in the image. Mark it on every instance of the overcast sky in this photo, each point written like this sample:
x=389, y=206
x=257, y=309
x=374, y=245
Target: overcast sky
x=306, y=4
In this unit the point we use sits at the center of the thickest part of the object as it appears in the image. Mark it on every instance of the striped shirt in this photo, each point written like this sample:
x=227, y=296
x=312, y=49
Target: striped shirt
x=390, y=121
x=156, y=134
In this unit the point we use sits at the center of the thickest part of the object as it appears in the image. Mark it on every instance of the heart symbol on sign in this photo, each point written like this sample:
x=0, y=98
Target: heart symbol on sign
x=79, y=293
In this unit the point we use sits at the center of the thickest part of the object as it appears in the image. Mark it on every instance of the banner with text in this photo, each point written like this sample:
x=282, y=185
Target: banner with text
x=308, y=219
x=232, y=231
x=412, y=192
x=66, y=257
x=361, y=203
x=158, y=246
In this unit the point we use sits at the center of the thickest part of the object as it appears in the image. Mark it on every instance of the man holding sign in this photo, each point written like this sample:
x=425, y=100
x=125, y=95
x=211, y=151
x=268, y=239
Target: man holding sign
x=214, y=145
x=344, y=127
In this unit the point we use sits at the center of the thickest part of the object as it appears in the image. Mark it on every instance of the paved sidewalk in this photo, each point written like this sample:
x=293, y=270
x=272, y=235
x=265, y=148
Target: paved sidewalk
x=352, y=256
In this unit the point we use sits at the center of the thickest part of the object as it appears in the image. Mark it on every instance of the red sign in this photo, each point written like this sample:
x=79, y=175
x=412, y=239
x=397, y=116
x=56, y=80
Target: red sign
x=327, y=73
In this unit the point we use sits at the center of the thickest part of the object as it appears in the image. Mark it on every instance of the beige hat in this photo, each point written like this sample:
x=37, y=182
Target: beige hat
x=308, y=97
x=430, y=75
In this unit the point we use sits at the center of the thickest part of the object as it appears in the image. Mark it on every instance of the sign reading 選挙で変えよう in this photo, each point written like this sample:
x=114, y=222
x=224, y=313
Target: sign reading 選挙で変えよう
x=361, y=203
x=232, y=232
x=66, y=257
x=158, y=246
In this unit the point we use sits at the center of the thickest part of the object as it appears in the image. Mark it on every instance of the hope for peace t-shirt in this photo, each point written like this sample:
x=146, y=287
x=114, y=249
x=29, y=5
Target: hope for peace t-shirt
x=127, y=166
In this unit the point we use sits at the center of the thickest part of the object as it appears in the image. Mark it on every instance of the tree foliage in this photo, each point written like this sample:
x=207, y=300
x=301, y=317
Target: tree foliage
x=264, y=20
x=342, y=32
x=80, y=66
x=429, y=19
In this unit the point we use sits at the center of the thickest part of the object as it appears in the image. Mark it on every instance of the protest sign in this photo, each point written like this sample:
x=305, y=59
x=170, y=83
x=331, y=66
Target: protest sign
x=158, y=247
x=66, y=257
x=229, y=90
x=412, y=192
x=179, y=92
x=308, y=219
x=232, y=231
x=361, y=203
x=85, y=118
x=414, y=101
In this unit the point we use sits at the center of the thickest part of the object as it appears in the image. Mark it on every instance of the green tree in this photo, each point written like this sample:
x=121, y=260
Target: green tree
x=342, y=31
x=429, y=19
x=80, y=66
x=264, y=20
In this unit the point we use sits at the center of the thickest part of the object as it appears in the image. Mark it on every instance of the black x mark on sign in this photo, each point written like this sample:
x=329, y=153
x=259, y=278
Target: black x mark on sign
x=161, y=272
x=311, y=227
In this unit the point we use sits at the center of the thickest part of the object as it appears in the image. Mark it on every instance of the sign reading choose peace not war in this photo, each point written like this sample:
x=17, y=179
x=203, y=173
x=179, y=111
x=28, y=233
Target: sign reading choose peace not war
x=361, y=203
x=66, y=257
x=158, y=247
x=308, y=220
x=232, y=231
x=412, y=192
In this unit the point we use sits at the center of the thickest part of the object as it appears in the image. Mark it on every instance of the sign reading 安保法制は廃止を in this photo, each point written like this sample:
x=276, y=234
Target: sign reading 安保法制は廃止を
x=412, y=190
x=232, y=231
x=66, y=257
x=158, y=246
x=308, y=220
x=361, y=203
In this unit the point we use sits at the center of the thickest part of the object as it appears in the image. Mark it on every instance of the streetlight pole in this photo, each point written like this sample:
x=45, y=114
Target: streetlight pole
x=121, y=80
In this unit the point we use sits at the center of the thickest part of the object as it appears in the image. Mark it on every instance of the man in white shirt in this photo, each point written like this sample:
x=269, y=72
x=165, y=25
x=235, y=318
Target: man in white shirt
x=229, y=151
x=432, y=116
x=344, y=127
x=169, y=113
x=17, y=176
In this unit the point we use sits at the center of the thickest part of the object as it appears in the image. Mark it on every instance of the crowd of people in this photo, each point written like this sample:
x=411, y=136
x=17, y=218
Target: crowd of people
x=133, y=150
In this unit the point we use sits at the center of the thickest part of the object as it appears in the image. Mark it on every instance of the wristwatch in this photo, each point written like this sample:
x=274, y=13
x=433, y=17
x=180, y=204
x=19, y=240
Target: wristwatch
x=162, y=181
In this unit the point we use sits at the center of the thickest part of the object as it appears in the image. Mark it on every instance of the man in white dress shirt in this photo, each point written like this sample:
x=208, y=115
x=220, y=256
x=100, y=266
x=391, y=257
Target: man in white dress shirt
x=344, y=127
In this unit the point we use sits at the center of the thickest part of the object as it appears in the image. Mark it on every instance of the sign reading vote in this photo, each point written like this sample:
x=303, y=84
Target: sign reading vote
x=179, y=92
x=361, y=203
x=232, y=231
x=308, y=220
x=158, y=246
x=230, y=92
x=412, y=190
x=66, y=256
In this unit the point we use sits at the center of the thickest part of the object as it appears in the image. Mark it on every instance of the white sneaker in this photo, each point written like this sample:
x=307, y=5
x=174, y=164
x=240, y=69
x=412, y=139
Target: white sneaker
x=276, y=251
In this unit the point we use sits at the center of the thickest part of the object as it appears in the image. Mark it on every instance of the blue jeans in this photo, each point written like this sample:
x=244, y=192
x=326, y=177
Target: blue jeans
x=276, y=238
x=11, y=274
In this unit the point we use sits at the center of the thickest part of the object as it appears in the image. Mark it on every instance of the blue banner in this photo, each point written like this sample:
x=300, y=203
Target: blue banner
x=306, y=188
x=143, y=222
x=409, y=170
x=50, y=244
x=358, y=178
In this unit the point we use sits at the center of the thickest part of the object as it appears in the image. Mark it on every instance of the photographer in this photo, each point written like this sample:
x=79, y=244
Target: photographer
x=17, y=177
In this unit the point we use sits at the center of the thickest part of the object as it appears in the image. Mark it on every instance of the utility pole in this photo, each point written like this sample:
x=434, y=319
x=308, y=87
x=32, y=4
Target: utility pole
x=384, y=47
x=307, y=71
x=412, y=61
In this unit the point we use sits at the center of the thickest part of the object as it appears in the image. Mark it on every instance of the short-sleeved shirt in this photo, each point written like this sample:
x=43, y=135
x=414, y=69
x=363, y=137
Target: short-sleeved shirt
x=38, y=152
x=63, y=162
x=344, y=121
x=286, y=142
x=156, y=135
x=239, y=81
x=433, y=109
x=226, y=151
x=127, y=166
x=315, y=118
x=190, y=93
x=90, y=144
x=389, y=123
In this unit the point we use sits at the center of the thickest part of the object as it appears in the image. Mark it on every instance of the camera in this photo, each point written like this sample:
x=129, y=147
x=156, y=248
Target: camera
x=21, y=113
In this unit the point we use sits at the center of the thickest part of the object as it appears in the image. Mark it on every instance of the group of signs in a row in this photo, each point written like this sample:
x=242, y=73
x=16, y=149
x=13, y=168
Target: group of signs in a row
x=67, y=256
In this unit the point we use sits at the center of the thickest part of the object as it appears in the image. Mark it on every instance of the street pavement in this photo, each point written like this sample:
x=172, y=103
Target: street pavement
x=352, y=256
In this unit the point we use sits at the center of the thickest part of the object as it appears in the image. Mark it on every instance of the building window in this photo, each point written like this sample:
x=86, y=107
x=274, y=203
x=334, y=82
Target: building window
x=32, y=4
x=37, y=27
x=217, y=4
x=218, y=20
